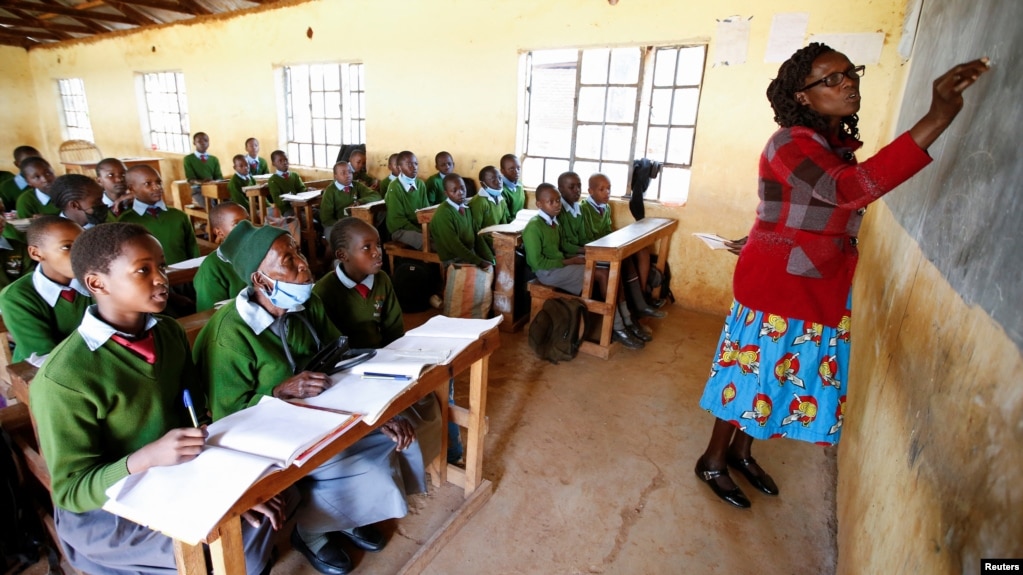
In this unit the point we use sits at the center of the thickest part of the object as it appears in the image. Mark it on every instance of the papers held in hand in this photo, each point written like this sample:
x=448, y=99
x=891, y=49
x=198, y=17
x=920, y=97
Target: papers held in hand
x=713, y=241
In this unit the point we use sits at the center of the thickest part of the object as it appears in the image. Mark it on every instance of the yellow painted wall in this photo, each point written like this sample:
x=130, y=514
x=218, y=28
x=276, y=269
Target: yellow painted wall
x=21, y=116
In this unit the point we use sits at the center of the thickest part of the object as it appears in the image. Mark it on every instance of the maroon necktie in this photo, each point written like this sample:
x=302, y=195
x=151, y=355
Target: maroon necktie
x=347, y=190
x=411, y=188
x=461, y=210
x=552, y=223
x=363, y=290
x=203, y=157
x=153, y=211
x=285, y=175
x=68, y=294
x=600, y=210
x=144, y=347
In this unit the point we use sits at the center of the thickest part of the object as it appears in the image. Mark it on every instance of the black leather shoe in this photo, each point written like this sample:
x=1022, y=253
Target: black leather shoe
x=651, y=312
x=367, y=538
x=331, y=559
x=733, y=496
x=625, y=337
x=763, y=482
x=639, y=332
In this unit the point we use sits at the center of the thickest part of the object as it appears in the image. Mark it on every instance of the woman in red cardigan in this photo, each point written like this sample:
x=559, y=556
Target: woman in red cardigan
x=782, y=360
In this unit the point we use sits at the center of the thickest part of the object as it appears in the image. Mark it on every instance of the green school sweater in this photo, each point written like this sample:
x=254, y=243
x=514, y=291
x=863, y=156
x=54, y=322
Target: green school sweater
x=486, y=213
x=455, y=238
x=214, y=281
x=543, y=245
x=597, y=226
x=435, y=189
x=374, y=321
x=29, y=205
x=278, y=186
x=239, y=366
x=9, y=194
x=196, y=169
x=35, y=326
x=402, y=206
x=573, y=232
x=367, y=180
x=262, y=167
x=234, y=187
x=94, y=408
x=5, y=175
x=15, y=261
x=334, y=203
x=516, y=200
x=172, y=228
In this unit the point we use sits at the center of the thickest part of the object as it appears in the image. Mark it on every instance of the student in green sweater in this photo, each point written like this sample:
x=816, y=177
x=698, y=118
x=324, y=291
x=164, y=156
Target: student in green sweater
x=358, y=161
x=216, y=280
x=168, y=225
x=11, y=189
x=392, y=166
x=36, y=197
x=80, y=199
x=435, y=184
x=283, y=182
x=405, y=195
x=242, y=177
x=201, y=167
x=14, y=259
x=258, y=345
x=453, y=233
x=42, y=308
x=257, y=165
x=514, y=194
x=343, y=193
x=488, y=207
x=111, y=174
x=108, y=403
x=554, y=268
x=570, y=221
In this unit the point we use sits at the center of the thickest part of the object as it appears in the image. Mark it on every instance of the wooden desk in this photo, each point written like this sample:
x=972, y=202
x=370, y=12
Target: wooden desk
x=505, y=244
x=368, y=212
x=89, y=168
x=613, y=248
x=225, y=541
x=311, y=240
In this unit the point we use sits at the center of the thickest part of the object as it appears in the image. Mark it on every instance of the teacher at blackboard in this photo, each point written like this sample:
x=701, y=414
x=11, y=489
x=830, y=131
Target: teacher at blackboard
x=781, y=364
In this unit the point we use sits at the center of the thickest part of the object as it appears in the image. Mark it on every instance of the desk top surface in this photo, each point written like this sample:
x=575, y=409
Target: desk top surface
x=635, y=232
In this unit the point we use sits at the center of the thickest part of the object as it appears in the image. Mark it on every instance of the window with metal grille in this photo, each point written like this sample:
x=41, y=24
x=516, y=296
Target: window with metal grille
x=324, y=109
x=599, y=110
x=166, y=125
x=75, y=110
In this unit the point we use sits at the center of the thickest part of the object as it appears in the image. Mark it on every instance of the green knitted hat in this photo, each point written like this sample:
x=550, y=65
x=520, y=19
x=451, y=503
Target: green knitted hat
x=247, y=245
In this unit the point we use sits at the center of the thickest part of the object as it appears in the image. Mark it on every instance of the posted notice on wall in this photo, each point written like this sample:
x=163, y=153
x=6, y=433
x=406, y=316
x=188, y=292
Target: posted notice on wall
x=787, y=33
x=732, y=41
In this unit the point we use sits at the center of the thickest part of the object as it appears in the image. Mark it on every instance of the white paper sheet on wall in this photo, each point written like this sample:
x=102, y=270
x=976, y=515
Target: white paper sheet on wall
x=787, y=33
x=732, y=41
x=862, y=48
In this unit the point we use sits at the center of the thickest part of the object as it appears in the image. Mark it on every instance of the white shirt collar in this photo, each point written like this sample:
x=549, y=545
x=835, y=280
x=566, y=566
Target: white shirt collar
x=21, y=181
x=281, y=174
x=85, y=227
x=574, y=209
x=589, y=200
x=43, y=198
x=341, y=187
x=253, y=314
x=543, y=215
x=200, y=155
x=222, y=257
x=454, y=205
x=50, y=290
x=251, y=160
x=96, y=332
x=243, y=176
x=140, y=207
x=349, y=282
x=107, y=201
x=407, y=182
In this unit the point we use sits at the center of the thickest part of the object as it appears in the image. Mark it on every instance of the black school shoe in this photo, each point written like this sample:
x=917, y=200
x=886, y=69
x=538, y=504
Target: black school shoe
x=625, y=337
x=731, y=496
x=367, y=538
x=331, y=559
x=762, y=482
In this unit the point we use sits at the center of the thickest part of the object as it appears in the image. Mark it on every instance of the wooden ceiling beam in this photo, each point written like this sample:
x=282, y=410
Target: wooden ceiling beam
x=140, y=18
x=45, y=9
x=15, y=40
x=163, y=5
x=46, y=34
x=30, y=21
x=196, y=8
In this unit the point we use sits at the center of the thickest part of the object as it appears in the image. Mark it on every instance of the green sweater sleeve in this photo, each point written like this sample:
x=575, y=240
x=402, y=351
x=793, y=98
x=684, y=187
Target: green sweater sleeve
x=541, y=243
x=453, y=236
x=392, y=325
x=402, y=206
x=34, y=325
x=572, y=233
x=234, y=188
x=596, y=225
x=332, y=205
x=366, y=194
x=278, y=185
x=29, y=205
x=435, y=189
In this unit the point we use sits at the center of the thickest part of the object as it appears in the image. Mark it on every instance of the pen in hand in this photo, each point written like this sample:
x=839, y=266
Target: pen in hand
x=191, y=408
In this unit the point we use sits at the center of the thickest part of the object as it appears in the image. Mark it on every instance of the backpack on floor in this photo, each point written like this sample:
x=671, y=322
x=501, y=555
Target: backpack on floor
x=557, y=331
x=413, y=284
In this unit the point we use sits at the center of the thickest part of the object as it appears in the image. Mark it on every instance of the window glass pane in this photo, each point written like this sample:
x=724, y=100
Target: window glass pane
x=292, y=153
x=319, y=132
x=660, y=106
x=305, y=154
x=585, y=170
x=332, y=78
x=674, y=185
x=317, y=105
x=316, y=78
x=690, y=66
x=618, y=174
x=680, y=146
x=617, y=143
x=532, y=172
x=624, y=66
x=664, y=67
x=333, y=132
x=332, y=104
x=594, y=69
x=553, y=169
x=587, y=142
x=332, y=152
x=591, y=104
x=684, y=108
x=621, y=105
x=657, y=143
x=550, y=112
x=320, y=156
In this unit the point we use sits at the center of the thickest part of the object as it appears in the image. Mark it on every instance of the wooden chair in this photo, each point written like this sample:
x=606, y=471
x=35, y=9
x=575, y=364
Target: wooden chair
x=79, y=151
x=397, y=249
x=258, y=201
x=180, y=194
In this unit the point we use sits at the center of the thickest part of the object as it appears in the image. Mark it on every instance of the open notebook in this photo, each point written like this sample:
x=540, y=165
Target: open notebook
x=186, y=501
x=517, y=225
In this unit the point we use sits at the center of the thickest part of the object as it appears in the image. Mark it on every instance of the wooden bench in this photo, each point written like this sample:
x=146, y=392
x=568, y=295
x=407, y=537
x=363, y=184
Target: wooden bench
x=212, y=192
x=397, y=249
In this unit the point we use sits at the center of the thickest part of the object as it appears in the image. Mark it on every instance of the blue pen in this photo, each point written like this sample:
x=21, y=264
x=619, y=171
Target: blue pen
x=191, y=408
x=370, y=375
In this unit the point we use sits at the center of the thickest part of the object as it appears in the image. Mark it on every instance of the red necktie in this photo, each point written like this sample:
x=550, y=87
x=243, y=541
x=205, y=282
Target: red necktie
x=68, y=294
x=461, y=210
x=552, y=223
x=153, y=211
x=347, y=190
x=203, y=157
x=411, y=188
x=285, y=175
x=144, y=347
x=363, y=290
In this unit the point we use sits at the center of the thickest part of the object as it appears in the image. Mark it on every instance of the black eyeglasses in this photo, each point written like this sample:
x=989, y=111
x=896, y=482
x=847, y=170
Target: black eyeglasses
x=832, y=80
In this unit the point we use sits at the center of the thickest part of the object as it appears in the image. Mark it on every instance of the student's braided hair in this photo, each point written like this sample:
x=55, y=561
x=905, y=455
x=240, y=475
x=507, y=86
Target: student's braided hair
x=70, y=188
x=781, y=92
x=340, y=234
x=93, y=251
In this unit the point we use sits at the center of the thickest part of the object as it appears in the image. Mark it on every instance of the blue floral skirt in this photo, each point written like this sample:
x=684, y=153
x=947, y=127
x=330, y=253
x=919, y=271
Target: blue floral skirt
x=779, y=377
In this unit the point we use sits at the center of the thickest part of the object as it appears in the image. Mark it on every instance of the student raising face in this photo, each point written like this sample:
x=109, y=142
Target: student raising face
x=455, y=190
x=39, y=176
x=111, y=177
x=145, y=184
x=600, y=188
x=364, y=256
x=54, y=251
x=136, y=282
x=409, y=166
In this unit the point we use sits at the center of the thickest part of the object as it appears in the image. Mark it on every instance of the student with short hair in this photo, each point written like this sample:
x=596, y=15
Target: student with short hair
x=392, y=166
x=405, y=195
x=514, y=194
x=258, y=345
x=201, y=167
x=358, y=161
x=42, y=308
x=12, y=188
x=570, y=221
x=80, y=199
x=452, y=231
x=216, y=280
x=111, y=173
x=445, y=165
x=170, y=226
x=14, y=258
x=542, y=242
x=257, y=165
x=36, y=197
x=343, y=193
x=488, y=207
x=283, y=182
x=107, y=404
x=242, y=177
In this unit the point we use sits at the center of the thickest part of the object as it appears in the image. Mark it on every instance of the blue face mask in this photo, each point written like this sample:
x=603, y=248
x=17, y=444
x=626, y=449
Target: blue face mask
x=288, y=296
x=406, y=181
x=491, y=192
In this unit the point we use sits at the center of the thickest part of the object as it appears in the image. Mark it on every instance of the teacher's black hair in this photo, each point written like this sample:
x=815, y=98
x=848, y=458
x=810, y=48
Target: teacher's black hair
x=781, y=92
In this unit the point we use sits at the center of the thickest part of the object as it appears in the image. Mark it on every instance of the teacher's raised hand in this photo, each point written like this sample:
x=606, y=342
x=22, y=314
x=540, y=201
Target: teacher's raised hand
x=947, y=100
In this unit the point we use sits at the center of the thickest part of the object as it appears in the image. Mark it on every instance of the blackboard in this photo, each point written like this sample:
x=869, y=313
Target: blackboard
x=966, y=208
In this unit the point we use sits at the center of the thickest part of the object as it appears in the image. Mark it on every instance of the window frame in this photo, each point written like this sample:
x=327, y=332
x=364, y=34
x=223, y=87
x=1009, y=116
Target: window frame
x=314, y=148
x=156, y=113
x=70, y=93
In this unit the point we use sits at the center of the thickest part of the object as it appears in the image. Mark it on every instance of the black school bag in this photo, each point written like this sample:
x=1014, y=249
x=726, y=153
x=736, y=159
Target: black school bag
x=413, y=284
x=558, y=329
